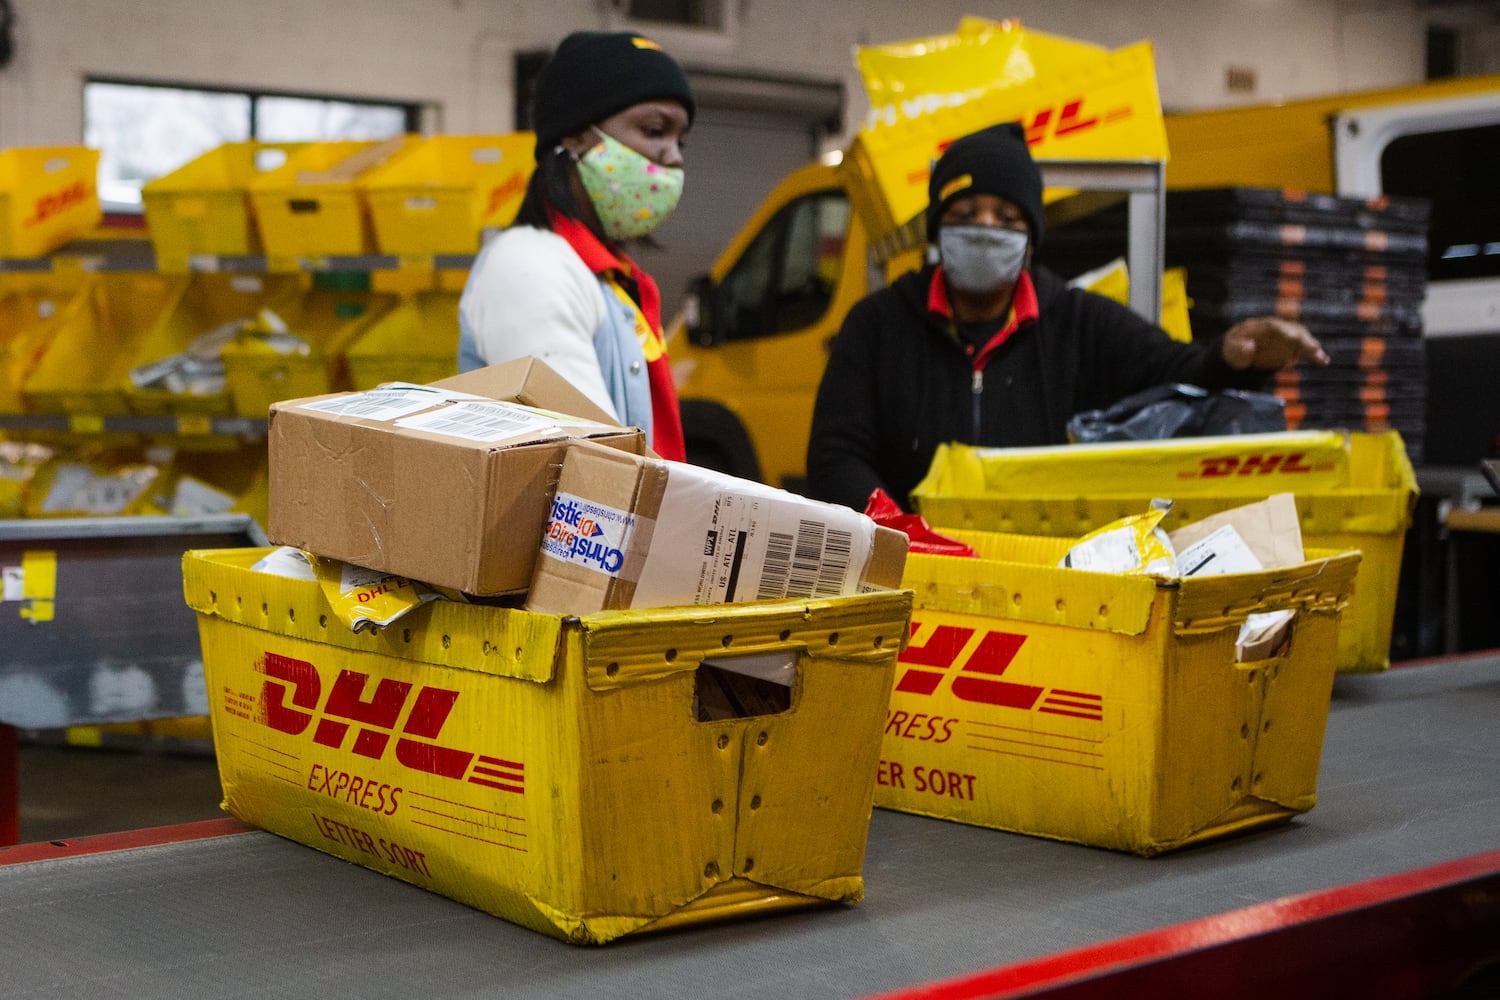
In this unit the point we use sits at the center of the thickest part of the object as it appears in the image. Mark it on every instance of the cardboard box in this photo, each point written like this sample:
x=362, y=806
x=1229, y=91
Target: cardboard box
x=634, y=532
x=531, y=382
x=445, y=486
x=1370, y=511
x=553, y=770
x=1107, y=710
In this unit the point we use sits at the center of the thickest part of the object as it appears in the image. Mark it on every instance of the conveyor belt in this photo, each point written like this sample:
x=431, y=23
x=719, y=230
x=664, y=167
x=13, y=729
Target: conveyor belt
x=1409, y=779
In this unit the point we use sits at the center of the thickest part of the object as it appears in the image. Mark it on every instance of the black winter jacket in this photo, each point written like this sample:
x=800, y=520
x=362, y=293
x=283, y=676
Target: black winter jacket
x=899, y=382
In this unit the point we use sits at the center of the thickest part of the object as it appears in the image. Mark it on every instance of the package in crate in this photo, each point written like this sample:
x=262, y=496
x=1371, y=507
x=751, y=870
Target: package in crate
x=1131, y=711
x=570, y=774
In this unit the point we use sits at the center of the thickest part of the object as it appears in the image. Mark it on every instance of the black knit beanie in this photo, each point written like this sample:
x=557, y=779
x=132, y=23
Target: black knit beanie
x=594, y=74
x=994, y=161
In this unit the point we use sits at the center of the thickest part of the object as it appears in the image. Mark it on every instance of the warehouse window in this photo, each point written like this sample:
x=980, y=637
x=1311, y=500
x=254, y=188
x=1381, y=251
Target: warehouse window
x=143, y=131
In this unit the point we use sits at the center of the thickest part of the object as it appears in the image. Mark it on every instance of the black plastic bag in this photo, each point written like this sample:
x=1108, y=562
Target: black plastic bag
x=1179, y=410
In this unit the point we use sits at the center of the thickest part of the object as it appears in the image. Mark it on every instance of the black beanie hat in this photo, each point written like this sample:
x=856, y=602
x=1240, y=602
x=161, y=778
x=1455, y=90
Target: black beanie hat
x=594, y=74
x=994, y=161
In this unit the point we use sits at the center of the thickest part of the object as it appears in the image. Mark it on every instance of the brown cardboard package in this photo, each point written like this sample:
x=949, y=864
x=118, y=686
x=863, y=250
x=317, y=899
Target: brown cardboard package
x=634, y=532
x=446, y=485
x=530, y=382
x=1266, y=534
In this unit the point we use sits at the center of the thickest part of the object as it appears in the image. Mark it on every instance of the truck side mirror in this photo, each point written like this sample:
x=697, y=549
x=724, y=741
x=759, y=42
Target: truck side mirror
x=702, y=315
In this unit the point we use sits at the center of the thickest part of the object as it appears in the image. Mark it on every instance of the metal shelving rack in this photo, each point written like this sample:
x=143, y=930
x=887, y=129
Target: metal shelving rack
x=119, y=576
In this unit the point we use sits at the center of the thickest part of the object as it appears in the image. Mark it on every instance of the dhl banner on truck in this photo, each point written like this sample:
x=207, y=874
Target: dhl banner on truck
x=1091, y=104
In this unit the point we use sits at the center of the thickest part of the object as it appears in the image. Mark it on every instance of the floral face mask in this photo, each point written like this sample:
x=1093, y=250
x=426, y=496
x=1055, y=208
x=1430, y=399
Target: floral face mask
x=631, y=194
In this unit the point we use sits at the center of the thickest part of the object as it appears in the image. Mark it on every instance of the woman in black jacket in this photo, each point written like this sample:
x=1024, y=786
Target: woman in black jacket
x=983, y=349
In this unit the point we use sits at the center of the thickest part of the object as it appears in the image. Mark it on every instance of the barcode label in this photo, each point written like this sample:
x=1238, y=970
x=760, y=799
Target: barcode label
x=835, y=563
x=721, y=539
x=479, y=421
x=811, y=564
x=777, y=565
x=379, y=404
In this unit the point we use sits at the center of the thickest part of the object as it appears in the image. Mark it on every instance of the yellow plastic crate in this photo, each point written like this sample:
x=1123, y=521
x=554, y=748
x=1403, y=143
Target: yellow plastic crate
x=32, y=307
x=312, y=205
x=228, y=480
x=86, y=372
x=1368, y=508
x=48, y=195
x=551, y=770
x=440, y=195
x=328, y=321
x=20, y=465
x=417, y=341
x=1105, y=709
x=210, y=301
x=203, y=208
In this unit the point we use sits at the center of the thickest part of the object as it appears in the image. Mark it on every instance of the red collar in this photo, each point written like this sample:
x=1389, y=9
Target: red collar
x=1023, y=309
x=1023, y=304
x=595, y=255
x=599, y=259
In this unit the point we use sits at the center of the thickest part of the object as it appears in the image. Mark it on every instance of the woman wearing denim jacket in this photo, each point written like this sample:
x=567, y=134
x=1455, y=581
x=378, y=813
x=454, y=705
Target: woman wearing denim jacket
x=611, y=112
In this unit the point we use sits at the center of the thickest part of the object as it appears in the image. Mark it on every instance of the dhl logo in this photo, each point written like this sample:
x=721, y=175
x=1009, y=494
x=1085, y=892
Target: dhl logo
x=512, y=187
x=1262, y=464
x=1064, y=120
x=1068, y=119
x=938, y=652
x=291, y=700
x=58, y=201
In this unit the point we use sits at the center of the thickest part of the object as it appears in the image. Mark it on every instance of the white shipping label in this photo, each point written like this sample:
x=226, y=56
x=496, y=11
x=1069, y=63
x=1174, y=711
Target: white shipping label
x=1110, y=552
x=12, y=583
x=388, y=402
x=482, y=421
x=717, y=541
x=588, y=534
x=352, y=577
x=1220, y=551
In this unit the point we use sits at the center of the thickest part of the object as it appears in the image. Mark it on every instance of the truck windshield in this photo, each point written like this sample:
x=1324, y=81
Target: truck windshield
x=1457, y=170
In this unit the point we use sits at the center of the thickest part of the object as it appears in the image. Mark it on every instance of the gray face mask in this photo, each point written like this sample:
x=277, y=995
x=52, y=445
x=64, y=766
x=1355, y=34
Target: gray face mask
x=978, y=259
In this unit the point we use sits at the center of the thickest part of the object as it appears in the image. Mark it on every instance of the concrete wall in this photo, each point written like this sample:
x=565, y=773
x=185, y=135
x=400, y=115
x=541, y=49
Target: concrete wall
x=456, y=54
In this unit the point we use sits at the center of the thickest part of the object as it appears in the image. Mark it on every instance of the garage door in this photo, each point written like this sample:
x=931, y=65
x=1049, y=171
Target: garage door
x=734, y=159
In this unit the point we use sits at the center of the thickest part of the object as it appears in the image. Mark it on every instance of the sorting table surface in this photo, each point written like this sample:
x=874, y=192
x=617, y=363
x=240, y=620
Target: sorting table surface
x=1408, y=779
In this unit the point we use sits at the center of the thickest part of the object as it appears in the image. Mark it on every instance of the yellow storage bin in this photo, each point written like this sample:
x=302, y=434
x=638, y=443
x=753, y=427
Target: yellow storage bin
x=226, y=481
x=203, y=208
x=1107, y=710
x=48, y=195
x=439, y=196
x=309, y=360
x=212, y=304
x=1360, y=495
x=32, y=307
x=417, y=341
x=20, y=464
x=85, y=374
x=312, y=205
x=553, y=770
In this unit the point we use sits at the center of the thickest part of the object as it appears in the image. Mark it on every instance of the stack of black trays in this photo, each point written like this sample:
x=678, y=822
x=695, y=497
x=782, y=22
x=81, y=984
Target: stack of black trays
x=1353, y=271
